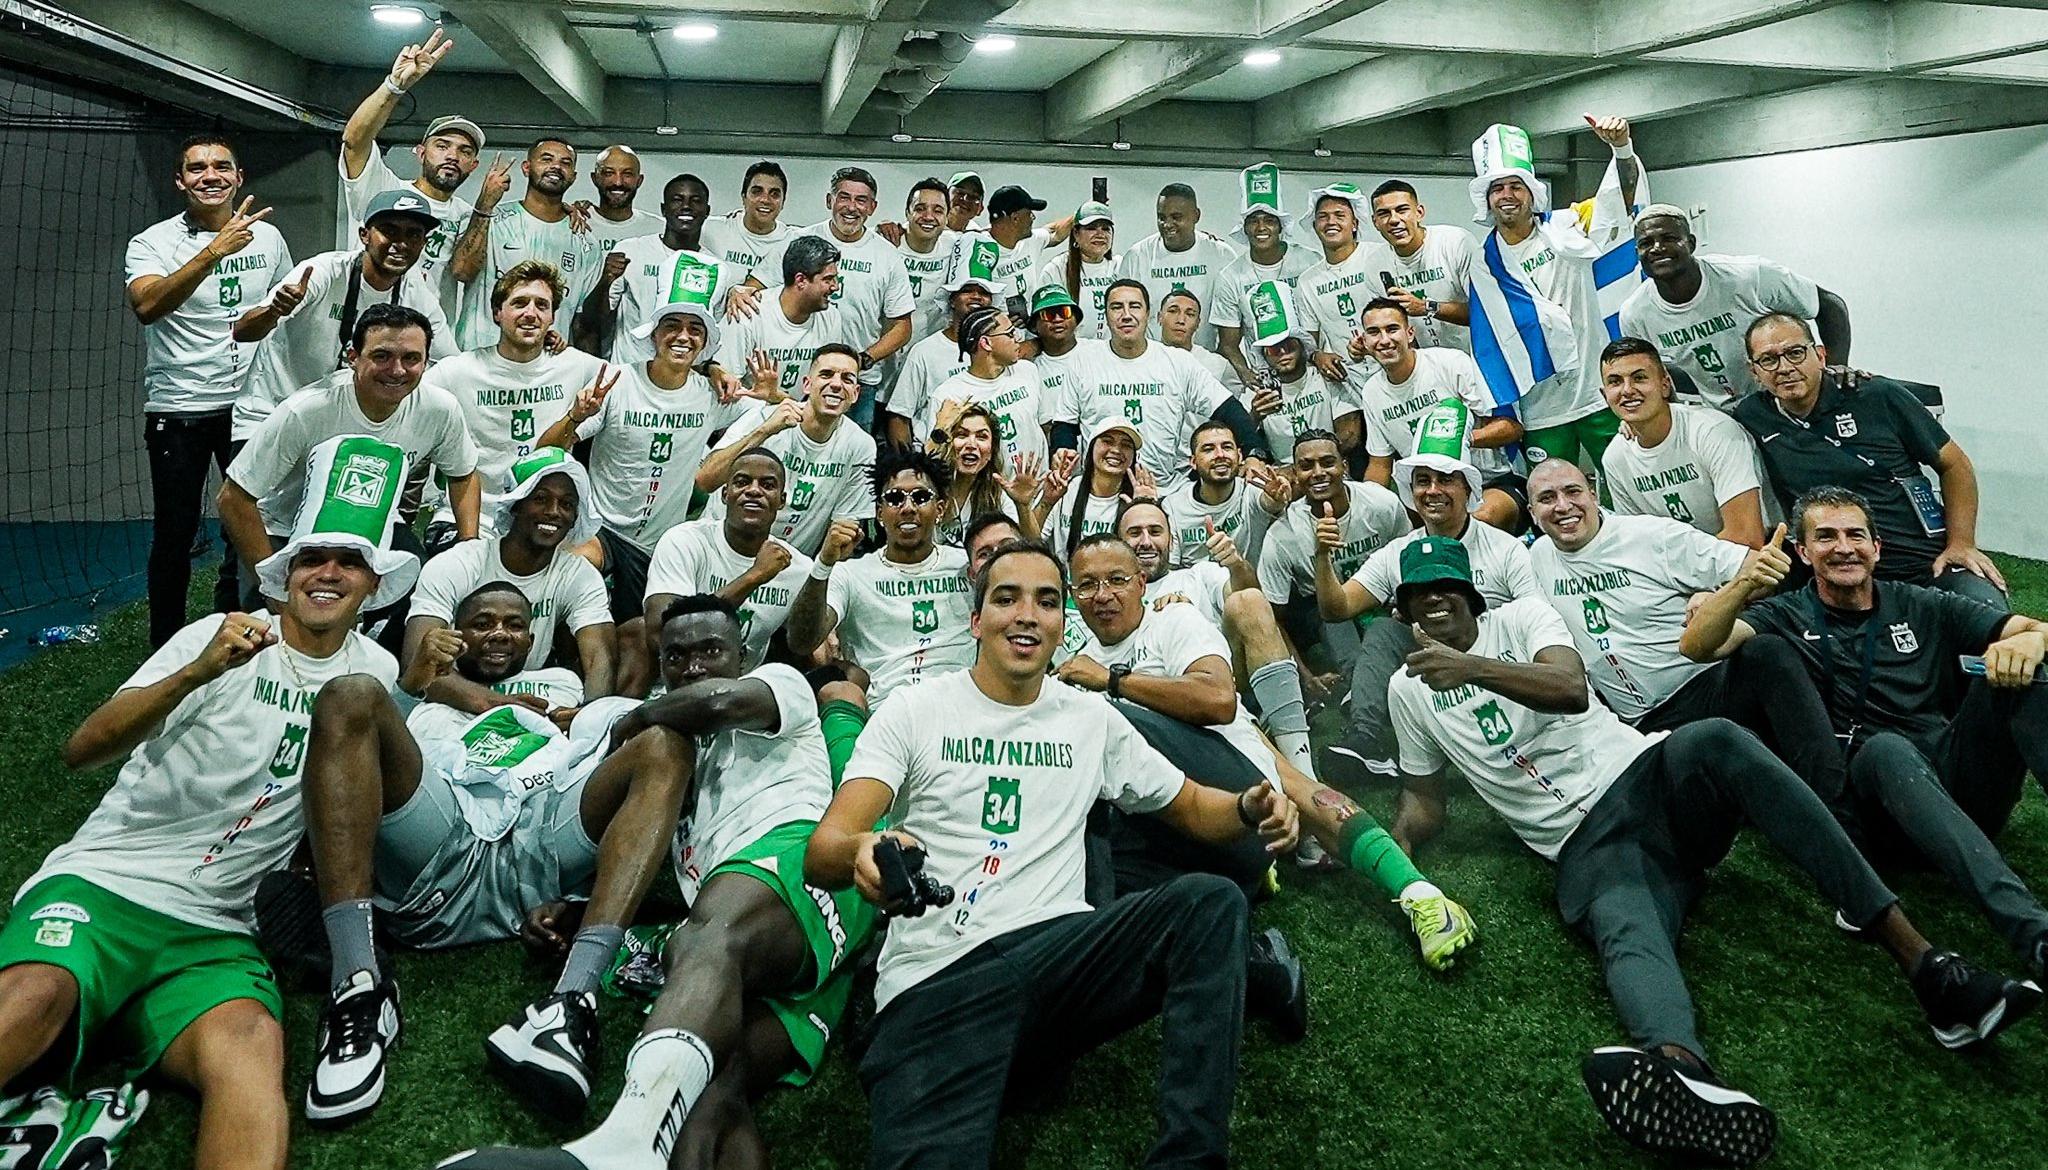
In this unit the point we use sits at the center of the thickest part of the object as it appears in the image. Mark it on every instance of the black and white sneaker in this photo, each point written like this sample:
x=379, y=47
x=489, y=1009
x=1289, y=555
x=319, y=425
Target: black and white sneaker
x=510, y=1158
x=1966, y=1006
x=1349, y=762
x=547, y=1050
x=1668, y=1107
x=359, y=1027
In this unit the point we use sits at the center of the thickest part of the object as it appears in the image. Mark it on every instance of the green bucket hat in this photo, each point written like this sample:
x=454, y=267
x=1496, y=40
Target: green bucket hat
x=1349, y=192
x=353, y=484
x=1428, y=559
x=526, y=475
x=1052, y=296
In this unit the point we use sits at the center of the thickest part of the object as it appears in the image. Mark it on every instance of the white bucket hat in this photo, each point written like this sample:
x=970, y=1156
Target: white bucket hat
x=1442, y=443
x=525, y=476
x=690, y=279
x=1273, y=316
x=1349, y=192
x=353, y=484
x=1503, y=152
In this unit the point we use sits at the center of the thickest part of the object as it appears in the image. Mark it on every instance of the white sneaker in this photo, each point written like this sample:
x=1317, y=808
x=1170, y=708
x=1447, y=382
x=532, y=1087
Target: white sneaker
x=358, y=1029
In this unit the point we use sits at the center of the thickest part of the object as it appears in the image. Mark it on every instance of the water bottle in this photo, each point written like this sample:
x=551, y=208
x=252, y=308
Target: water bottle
x=87, y=635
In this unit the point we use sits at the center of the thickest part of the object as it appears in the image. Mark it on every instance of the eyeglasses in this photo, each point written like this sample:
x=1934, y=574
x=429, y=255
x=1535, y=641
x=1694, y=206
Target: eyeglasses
x=1795, y=354
x=915, y=497
x=1089, y=588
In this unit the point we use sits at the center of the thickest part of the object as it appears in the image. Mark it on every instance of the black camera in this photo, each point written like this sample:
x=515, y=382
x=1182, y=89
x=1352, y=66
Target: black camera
x=905, y=884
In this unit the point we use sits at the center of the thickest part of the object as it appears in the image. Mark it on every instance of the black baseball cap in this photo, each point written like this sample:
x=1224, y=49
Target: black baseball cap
x=1010, y=200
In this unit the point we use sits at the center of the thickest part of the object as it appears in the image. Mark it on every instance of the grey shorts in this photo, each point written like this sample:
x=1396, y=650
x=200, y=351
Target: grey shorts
x=445, y=886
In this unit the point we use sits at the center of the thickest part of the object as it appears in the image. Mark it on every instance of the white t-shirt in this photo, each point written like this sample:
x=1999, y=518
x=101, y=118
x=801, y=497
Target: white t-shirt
x=928, y=362
x=748, y=782
x=611, y=235
x=1707, y=460
x=568, y=590
x=1201, y=587
x=1500, y=565
x=190, y=362
x=306, y=346
x=1392, y=411
x=1542, y=773
x=1439, y=270
x=826, y=481
x=1234, y=286
x=728, y=239
x=695, y=557
x=1567, y=282
x=926, y=272
x=1095, y=281
x=1310, y=402
x=1332, y=296
x=1287, y=566
x=790, y=346
x=428, y=426
x=509, y=405
x=1238, y=516
x=516, y=237
x=1195, y=270
x=873, y=286
x=439, y=250
x=1164, y=392
x=1171, y=638
x=1016, y=267
x=1704, y=336
x=642, y=289
x=1056, y=376
x=1016, y=397
x=1098, y=516
x=209, y=803
x=903, y=623
x=647, y=445
x=999, y=796
x=1623, y=597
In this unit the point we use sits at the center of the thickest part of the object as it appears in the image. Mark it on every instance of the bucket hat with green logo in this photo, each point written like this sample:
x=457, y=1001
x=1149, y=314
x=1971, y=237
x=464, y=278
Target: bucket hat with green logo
x=688, y=281
x=527, y=474
x=1442, y=443
x=352, y=488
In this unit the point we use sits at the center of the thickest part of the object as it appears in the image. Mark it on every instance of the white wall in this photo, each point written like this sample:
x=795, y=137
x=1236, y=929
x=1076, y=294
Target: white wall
x=1936, y=245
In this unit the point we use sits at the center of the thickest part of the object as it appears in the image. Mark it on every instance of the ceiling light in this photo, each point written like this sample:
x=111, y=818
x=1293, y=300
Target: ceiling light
x=995, y=44
x=901, y=136
x=695, y=32
x=397, y=15
x=1320, y=150
x=668, y=131
x=1262, y=58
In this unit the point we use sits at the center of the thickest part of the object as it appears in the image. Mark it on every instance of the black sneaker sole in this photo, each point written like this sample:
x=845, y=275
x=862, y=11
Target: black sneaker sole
x=549, y=1094
x=1648, y=1105
x=508, y=1158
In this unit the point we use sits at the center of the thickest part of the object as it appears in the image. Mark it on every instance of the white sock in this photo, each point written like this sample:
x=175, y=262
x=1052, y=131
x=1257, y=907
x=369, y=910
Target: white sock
x=666, y=1072
x=1420, y=890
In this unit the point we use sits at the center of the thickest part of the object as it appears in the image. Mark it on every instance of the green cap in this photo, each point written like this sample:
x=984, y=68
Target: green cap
x=1273, y=314
x=353, y=484
x=973, y=261
x=1427, y=559
x=1052, y=296
x=1092, y=212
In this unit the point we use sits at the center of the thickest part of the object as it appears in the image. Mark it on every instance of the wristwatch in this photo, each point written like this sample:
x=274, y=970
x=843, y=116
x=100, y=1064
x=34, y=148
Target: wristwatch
x=867, y=361
x=940, y=438
x=1117, y=674
x=1429, y=309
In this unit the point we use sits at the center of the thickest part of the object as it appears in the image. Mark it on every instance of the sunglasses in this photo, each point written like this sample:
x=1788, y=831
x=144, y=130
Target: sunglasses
x=916, y=497
x=1058, y=313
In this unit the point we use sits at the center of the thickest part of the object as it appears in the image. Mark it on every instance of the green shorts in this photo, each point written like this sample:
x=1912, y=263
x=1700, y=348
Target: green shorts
x=1588, y=437
x=838, y=926
x=143, y=977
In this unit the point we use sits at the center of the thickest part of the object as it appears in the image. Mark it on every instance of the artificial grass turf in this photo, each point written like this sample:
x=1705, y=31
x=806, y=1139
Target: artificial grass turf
x=1401, y=1068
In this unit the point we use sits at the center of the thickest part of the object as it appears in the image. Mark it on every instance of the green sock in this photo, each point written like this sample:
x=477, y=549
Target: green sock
x=1368, y=849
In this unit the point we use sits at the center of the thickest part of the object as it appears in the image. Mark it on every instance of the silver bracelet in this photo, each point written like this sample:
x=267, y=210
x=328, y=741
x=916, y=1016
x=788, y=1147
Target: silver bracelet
x=393, y=86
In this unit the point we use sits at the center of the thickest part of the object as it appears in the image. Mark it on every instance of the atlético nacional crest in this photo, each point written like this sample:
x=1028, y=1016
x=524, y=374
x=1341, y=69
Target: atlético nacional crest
x=363, y=481
x=1845, y=426
x=1903, y=638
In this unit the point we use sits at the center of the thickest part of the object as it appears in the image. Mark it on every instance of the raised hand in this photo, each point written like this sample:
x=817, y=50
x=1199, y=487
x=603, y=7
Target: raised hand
x=288, y=297
x=590, y=399
x=1222, y=549
x=1277, y=488
x=1609, y=129
x=764, y=377
x=1022, y=484
x=1764, y=569
x=1355, y=347
x=771, y=560
x=497, y=181
x=414, y=62
x=1278, y=821
x=949, y=413
x=438, y=652
x=237, y=233
x=1438, y=665
x=1267, y=402
x=239, y=638
x=840, y=541
x=1146, y=482
x=1329, y=537
x=614, y=268
x=786, y=414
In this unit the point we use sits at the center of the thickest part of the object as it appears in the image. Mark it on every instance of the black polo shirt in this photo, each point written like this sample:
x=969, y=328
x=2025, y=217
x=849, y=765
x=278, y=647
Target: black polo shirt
x=1913, y=637
x=1869, y=440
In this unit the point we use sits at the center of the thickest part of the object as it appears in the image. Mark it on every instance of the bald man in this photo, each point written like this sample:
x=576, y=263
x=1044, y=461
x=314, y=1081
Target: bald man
x=614, y=219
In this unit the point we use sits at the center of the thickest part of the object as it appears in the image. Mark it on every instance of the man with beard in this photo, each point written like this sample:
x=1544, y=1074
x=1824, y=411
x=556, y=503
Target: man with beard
x=642, y=273
x=735, y=556
x=538, y=227
x=1695, y=305
x=743, y=238
x=901, y=613
x=1269, y=257
x=927, y=251
x=1635, y=824
x=1290, y=396
x=827, y=458
x=1179, y=255
x=187, y=277
x=1937, y=759
x=448, y=153
x=540, y=517
x=967, y=287
x=1683, y=460
x=787, y=329
x=1217, y=498
x=1430, y=266
x=513, y=391
x=136, y=934
x=615, y=220
x=1439, y=485
x=648, y=430
x=379, y=395
x=1406, y=383
x=301, y=329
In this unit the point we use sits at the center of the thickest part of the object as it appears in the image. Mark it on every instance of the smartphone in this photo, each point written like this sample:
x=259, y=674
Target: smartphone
x=1973, y=664
x=1387, y=280
x=1099, y=191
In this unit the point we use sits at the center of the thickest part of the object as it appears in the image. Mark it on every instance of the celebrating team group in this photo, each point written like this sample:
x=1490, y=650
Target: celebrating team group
x=943, y=599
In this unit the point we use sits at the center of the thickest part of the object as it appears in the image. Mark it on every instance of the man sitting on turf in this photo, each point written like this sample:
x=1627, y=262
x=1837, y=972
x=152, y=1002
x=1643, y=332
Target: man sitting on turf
x=757, y=976
x=1635, y=823
x=1171, y=661
x=1937, y=760
x=543, y=513
x=134, y=937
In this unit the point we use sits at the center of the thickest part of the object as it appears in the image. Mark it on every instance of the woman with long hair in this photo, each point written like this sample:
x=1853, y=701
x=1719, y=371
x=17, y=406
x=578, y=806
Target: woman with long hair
x=1082, y=496
x=1088, y=266
x=979, y=485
